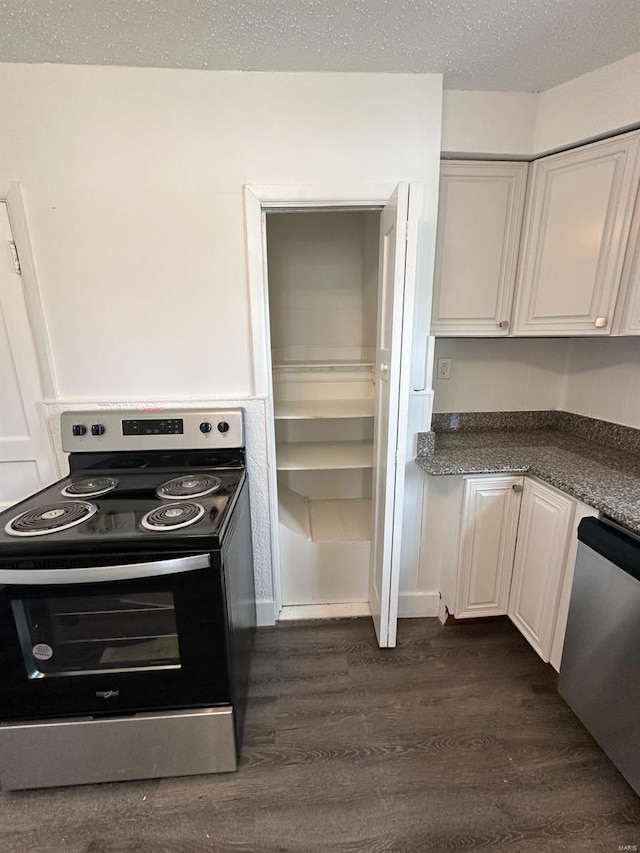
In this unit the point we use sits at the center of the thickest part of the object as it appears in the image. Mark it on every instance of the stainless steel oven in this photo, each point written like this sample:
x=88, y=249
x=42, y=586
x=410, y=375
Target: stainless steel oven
x=132, y=626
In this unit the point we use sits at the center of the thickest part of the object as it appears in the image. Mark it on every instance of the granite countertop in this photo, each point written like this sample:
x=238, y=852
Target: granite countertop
x=603, y=476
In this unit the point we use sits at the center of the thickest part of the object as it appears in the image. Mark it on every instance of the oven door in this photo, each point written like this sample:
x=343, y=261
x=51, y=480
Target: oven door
x=135, y=636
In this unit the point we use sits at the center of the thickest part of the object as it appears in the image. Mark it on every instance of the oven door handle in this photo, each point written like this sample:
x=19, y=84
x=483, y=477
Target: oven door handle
x=103, y=574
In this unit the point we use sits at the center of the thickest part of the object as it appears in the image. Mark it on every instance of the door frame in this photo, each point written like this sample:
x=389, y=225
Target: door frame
x=258, y=201
x=11, y=195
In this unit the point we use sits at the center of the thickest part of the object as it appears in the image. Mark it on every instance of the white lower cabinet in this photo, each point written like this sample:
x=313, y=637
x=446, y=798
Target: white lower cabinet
x=516, y=555
x=543, y=538
x=488, y=539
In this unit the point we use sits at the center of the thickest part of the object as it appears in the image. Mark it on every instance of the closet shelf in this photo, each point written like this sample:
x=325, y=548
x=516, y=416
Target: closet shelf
x=327, y=455
x=324, y=364
x=311, y=409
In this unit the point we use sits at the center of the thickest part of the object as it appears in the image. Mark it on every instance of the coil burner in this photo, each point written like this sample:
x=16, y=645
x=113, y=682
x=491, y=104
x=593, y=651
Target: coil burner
x=89, y=488
x=189, y=486
x=172, y=516
x=50, y=518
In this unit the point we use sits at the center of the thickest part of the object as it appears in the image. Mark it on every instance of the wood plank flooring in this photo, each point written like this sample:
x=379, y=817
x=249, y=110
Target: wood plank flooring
x=454, y=741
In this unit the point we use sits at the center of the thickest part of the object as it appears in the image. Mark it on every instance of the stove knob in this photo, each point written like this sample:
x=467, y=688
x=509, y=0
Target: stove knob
x=97, y=429
x=78, y=429
x=223, y=427
x=205, y=427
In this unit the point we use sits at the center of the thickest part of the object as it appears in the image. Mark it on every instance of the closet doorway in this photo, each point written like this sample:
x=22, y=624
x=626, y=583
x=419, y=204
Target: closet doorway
x=332, y=303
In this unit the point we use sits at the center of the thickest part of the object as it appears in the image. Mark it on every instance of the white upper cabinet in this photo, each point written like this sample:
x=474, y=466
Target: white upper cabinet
x=577, y=224
x=479, y=221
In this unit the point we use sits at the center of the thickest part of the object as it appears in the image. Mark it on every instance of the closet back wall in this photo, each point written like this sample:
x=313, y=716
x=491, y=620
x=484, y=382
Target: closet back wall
x=133, y=185
x=323, y=285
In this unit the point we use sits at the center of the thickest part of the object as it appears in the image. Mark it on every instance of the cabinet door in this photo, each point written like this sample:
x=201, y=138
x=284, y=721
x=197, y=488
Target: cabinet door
x=491, y=506
x=479, y=221
x=576, y=229
x=543, y=538
x=560, y=626
x=627, y=319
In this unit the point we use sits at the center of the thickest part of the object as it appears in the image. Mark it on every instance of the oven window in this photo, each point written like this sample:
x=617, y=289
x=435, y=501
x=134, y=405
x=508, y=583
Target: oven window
x=89, y=634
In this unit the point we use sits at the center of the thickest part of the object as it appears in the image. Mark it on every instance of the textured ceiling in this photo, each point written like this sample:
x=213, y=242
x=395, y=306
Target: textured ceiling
x=517, y=45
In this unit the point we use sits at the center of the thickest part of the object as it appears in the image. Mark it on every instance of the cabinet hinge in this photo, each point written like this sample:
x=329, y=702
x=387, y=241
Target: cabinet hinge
x=14, y=257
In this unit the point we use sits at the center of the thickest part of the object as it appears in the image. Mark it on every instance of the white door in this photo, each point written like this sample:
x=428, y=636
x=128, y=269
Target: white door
x=26, y=457
x=395, y=302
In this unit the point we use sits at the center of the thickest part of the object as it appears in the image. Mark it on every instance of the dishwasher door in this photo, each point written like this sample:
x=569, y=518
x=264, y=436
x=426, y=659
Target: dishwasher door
x=600, y=669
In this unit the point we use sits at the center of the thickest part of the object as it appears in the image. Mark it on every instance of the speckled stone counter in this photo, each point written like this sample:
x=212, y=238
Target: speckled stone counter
x=605, y=477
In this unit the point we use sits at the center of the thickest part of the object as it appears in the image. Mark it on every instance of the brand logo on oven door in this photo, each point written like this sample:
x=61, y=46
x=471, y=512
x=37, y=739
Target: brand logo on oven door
x=107, y=694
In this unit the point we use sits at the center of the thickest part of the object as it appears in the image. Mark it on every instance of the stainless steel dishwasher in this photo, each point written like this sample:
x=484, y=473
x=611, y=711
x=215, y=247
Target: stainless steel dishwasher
x=600, y=668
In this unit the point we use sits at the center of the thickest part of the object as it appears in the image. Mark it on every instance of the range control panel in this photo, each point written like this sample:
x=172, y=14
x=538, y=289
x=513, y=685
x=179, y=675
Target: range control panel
x=153, y=426
x=151, y=429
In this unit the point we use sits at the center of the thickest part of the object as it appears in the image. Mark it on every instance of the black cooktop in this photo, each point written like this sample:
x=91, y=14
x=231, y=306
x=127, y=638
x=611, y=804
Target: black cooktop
x=118, y=502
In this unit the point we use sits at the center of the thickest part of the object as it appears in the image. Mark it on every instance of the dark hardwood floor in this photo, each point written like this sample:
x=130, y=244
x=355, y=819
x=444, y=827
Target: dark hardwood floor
x=456, y=740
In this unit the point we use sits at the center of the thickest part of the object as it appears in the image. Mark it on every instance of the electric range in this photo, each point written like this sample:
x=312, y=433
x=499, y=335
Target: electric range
x=127, y=605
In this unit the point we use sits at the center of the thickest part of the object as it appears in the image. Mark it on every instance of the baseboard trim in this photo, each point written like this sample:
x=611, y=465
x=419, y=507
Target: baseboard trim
x=415, y=605
x=324, y=611
x=265, y=613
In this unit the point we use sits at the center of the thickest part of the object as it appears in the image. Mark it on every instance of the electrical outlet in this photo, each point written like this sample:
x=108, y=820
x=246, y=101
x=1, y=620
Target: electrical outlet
x=444, y=368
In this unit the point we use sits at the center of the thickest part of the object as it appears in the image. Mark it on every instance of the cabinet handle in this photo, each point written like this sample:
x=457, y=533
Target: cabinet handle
x=504, y=324
x=600, y=323
x=384, y=368
x=517, y=488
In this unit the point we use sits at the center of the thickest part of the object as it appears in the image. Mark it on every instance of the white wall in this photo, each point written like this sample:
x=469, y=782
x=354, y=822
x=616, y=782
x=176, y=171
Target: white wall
x=596, y=377
x=133, y=186
x=518, y=124
x=500, y=124
x=501, y=374
x=601, y=102
x=603, y=379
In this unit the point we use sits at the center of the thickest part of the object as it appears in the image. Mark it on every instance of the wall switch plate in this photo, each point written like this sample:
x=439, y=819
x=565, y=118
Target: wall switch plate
x=444, y=368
